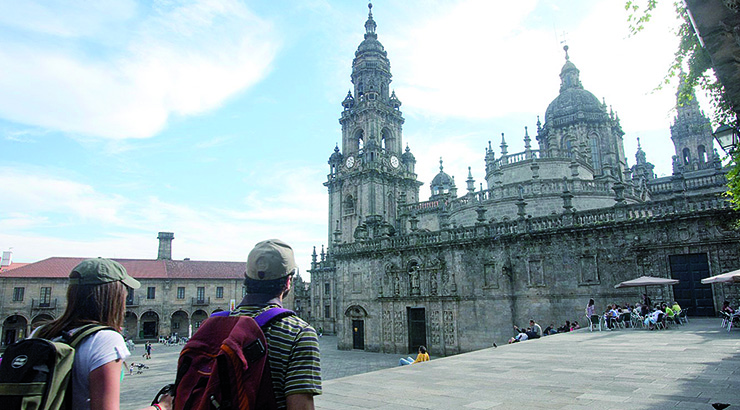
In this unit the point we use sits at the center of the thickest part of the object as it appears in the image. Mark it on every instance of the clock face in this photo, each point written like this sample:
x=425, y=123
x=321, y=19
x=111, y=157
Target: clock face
x=394, y=161
x=350, y=162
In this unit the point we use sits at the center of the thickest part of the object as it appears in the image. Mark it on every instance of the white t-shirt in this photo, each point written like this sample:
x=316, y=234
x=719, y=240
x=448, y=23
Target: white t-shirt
x=102, y=347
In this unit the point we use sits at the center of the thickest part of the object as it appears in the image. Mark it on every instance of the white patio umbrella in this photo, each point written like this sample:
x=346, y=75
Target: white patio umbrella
x=646, y=281
x=729, y=277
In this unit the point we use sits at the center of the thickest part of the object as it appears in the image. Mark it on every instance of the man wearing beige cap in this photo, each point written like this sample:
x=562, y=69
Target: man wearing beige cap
x=293, y=347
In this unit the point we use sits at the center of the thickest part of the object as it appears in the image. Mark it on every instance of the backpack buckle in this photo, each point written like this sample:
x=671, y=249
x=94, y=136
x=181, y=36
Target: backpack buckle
x=254, y=351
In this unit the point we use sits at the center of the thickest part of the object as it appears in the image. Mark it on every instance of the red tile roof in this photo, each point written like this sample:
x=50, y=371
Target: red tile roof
x=58, y=267
x=12, y=265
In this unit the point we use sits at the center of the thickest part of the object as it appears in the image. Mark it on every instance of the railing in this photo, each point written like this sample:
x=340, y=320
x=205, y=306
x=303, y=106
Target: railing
x=38, y=304
x=201, y=301
x=133, y=302
x=509, y=159
x=689, y=206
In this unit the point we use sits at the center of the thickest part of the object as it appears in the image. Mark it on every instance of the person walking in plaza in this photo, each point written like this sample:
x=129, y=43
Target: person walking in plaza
x=96, y=295
x=148, y=348
x=293, y=346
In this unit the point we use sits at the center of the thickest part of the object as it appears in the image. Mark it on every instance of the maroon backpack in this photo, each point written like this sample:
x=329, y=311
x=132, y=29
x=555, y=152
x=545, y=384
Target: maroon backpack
x=224, y=365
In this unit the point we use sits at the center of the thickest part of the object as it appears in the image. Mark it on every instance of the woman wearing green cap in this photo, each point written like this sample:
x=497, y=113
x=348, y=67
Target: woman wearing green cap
x=96, y=294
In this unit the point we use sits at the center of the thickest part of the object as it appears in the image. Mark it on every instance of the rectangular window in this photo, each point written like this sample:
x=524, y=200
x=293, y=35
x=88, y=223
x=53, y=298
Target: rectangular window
x=327, y=311
x=175, y=325
x=45, y=297
x=18, y=294
x=220, y=292
x=327, y=289
x=201, y=295
x=181, y=292
x=130, y=297
x=151, y=292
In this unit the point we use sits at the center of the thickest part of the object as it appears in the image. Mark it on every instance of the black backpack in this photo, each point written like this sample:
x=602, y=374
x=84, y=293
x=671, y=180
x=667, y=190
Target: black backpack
x=36, y=374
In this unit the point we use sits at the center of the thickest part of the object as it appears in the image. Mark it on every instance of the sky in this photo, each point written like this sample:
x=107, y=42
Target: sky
x=214, y=119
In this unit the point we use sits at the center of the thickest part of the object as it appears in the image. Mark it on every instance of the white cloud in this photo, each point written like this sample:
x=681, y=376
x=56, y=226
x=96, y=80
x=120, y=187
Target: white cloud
x=284, y=203
x=178, y=60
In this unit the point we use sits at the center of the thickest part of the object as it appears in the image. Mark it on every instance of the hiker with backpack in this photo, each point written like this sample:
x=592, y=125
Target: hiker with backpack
x=84, y=343
x=281, y=349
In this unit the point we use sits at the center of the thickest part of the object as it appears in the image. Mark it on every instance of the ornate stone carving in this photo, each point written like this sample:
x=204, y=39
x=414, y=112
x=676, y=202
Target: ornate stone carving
x=434, y=322
x=448, y=324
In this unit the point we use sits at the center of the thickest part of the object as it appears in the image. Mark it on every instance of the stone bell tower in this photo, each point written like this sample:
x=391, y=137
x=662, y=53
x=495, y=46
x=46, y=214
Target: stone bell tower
x=371, y=175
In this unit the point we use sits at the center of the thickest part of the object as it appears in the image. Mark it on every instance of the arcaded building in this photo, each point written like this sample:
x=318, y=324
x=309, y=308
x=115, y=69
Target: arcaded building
x=174, y=298
x=561, y=222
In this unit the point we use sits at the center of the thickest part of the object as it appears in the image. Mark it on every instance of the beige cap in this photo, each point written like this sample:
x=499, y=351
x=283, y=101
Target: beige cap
x=271, y=259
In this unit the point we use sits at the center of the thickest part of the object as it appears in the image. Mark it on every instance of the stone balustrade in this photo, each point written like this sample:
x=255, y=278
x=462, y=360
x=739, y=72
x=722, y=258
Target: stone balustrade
x=582, y=219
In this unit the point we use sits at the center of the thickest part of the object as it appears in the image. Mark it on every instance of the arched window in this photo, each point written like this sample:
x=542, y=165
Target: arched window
x=349, y=205
x=703, y=159
x=360, y=139
x=567, y=147
x=596, y=154
x=387, y=139
x=686, y=156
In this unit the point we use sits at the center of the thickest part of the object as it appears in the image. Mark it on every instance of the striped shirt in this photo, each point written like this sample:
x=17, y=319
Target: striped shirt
x=293, y=354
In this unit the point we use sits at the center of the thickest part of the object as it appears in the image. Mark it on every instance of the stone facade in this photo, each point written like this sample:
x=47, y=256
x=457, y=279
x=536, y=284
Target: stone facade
x=555, y=226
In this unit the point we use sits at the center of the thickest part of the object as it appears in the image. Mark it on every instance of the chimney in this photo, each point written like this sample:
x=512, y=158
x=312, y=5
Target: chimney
x=7, y=258
x=165, y=245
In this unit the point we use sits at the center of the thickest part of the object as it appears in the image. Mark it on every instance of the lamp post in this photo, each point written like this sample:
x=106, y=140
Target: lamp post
x=727, y=137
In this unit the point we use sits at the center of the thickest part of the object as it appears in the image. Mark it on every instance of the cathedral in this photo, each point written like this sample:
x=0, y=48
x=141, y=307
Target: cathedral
x=555, y=225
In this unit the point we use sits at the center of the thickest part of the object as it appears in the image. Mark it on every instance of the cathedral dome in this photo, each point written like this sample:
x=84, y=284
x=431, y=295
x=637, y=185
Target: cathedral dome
x=407, y=156
x=574, y=101
x=442, y=180
x=336, y=157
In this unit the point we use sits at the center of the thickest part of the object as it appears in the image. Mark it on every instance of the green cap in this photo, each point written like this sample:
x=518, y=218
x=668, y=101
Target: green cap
x=271, y=259
x=99, y=271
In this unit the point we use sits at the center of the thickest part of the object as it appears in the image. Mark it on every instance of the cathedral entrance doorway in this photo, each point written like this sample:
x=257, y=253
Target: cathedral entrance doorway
x=358, y=334
x=417, y=328
x=690, y=269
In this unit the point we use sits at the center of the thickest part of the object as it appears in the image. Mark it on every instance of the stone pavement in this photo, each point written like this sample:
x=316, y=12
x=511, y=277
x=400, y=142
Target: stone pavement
x=685, y=367
x=138, y=390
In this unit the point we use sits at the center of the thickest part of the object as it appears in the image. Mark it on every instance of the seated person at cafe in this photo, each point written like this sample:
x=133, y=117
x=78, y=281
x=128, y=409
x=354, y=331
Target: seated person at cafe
x=669, y=313
x=726, y=308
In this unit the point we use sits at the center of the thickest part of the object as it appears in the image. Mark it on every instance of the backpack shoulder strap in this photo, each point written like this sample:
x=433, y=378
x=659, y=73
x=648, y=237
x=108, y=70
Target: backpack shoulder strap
x=83, y=332
x=266, y=318
x=222, y=313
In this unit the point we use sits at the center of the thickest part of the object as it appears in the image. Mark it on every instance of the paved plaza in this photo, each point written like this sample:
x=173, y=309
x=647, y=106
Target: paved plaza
x=687, y=367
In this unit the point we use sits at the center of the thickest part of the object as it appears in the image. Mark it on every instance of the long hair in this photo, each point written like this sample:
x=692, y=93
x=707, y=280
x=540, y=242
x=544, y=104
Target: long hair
x=103, y=304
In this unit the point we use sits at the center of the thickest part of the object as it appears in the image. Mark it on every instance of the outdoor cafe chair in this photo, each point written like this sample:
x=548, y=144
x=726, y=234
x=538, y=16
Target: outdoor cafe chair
x=682, y=317
x=591, y=324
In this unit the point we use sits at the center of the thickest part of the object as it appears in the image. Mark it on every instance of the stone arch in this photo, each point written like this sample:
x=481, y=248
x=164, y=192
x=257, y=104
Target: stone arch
x=131, y=325
x=387, y=139
x=179, y=322
x=686, y=156
x=358, y=140
x=14, y=329
x=349, y=204
x=198, y=317
x=356, y=312
x=149, y=325
x=703, y=157
x=40, y=319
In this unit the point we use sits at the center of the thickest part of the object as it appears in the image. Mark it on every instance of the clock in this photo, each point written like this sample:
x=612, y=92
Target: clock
x=394, y=161
x=350, y=162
